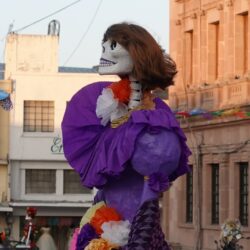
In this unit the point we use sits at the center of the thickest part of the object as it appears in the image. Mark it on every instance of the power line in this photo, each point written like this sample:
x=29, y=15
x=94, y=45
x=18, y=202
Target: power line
x=85, y=33
x=4, y=40
x=41, y=19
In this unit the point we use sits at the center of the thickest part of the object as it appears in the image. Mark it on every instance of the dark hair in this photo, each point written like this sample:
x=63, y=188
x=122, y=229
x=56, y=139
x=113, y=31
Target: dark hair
x=152, y=66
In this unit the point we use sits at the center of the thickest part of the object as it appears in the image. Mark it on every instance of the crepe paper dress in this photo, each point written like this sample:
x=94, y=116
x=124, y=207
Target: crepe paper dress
x=46, y=242
x=130, y=164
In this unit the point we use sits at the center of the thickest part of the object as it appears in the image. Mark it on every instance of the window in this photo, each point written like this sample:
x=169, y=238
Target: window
x=215, y=193
x=245, y=38
x=213, y=51
x=241, y=44
x=189, y=197
x=189, y=57
x=72, y=183
x=40, y=181
x=243, y=193
x=38, y=116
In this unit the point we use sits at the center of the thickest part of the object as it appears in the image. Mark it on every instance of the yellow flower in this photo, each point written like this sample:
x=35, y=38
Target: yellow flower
x=99, y=244
x=90, y=213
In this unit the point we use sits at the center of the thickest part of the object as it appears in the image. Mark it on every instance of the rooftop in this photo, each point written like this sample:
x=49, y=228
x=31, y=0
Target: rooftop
x=61, y=69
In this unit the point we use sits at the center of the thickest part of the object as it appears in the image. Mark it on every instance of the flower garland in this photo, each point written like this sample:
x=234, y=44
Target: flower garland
x=209, y=115
x=101, y=228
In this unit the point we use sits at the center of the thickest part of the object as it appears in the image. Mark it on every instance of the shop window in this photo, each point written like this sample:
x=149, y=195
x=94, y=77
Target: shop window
x=61, y=228
x=189, y=197
x=243, y=168
x=38, y=116
x=40, y=181
x=72, y=183
x=215, y=193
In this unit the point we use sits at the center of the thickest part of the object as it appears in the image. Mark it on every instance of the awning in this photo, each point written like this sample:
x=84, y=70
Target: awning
x=5, y=209
x=51, y=204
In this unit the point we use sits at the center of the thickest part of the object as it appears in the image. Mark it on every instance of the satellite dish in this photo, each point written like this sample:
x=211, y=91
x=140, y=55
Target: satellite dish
x=54, y=28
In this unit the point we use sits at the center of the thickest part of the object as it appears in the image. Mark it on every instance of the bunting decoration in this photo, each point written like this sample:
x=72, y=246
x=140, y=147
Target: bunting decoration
x=5, y=101
x=211, y=114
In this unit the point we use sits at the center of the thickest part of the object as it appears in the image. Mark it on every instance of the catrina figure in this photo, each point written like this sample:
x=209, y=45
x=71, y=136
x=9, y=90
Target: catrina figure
x=125, y=142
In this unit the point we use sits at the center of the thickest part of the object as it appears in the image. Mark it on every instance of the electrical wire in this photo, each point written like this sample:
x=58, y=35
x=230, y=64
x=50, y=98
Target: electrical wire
x=43, y=18
x=35, y=22
x=84, y=34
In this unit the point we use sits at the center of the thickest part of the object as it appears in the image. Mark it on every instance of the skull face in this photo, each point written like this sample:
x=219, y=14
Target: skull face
x=115, y=59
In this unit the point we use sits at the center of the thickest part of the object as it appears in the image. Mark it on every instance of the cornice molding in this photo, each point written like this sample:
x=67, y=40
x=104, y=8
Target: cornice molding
x=220, y=6
x=178, y=22
x=229, y=3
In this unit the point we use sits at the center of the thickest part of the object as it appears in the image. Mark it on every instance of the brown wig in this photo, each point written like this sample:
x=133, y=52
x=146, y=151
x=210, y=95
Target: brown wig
x=152, y=66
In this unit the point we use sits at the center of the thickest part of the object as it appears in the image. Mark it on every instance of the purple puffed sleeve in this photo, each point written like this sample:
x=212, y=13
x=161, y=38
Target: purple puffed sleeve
x=156, y=156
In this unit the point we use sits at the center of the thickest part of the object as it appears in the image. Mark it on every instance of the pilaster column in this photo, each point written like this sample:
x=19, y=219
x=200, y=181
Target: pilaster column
x=224, y=191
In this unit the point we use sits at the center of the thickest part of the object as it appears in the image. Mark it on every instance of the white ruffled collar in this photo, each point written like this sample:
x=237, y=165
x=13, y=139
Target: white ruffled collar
x=108, y=108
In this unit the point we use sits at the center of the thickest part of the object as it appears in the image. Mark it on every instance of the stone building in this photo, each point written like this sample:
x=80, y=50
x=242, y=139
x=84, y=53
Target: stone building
x=210, y=43
x=38, y=173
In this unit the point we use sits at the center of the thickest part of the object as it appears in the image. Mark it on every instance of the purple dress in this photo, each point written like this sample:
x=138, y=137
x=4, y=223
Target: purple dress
x=131, y=164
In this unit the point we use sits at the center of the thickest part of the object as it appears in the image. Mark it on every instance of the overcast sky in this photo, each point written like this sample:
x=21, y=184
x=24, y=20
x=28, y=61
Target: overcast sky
x=151, y=14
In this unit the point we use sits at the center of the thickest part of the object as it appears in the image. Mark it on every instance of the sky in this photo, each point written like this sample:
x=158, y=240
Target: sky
x=78, y=19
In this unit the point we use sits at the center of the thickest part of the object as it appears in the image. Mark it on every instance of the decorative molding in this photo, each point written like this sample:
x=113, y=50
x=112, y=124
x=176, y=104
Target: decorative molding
x=220, y=6
x=202, y=13
x=229, y=3
x=193, y=16
x=181, y=1
x=178, y=22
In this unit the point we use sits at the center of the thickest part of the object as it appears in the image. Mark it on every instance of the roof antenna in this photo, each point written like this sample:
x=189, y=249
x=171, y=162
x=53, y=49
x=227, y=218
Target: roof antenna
x=54, y=28
x=11, y=26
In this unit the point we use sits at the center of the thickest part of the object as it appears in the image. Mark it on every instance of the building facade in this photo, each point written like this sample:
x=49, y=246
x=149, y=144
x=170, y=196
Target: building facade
x=5, y=210
x=39, y=175
x=210, y=44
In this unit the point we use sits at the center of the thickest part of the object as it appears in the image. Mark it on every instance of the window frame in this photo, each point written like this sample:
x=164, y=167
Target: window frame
x=35, y=119
x=243, y=193
x=39, y=174
x=215, y=194
x=189, y=196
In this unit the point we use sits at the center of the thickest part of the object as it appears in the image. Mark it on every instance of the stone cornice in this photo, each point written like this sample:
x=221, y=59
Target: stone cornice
x=224, y=150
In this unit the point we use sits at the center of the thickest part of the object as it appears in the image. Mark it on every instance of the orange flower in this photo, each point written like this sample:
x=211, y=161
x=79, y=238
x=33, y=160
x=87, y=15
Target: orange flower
x=102, y=215
x=121, y=89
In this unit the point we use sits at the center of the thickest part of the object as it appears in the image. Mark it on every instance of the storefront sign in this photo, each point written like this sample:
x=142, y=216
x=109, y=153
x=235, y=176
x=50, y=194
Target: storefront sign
x=57, y=146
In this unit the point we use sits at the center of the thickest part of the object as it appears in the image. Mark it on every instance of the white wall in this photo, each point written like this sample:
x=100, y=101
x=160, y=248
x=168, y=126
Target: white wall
x=58, y=88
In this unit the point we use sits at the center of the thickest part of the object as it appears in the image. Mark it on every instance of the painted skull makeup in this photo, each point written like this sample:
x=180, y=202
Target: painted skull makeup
x=115, y=59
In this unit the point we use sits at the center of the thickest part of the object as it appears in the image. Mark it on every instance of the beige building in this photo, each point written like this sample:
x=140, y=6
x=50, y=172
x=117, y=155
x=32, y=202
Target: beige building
x=210, y=44
x=39, y=175
x=5, y=210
